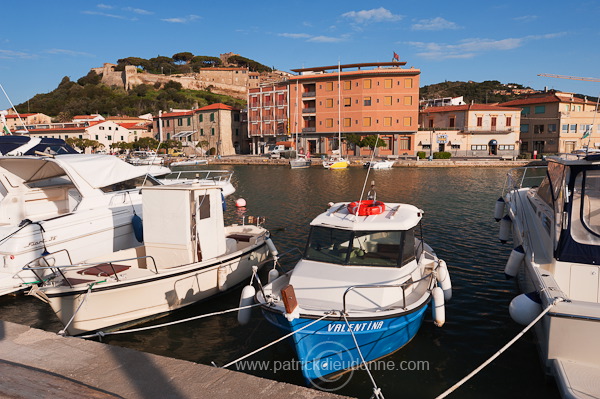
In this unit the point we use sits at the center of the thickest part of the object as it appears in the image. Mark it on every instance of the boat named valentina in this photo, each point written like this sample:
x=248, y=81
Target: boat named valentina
x=360, y=290
x=188, y=255
x=555, y=227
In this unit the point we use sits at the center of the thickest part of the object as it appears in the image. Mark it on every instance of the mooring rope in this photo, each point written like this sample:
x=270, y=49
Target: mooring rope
x=274, y=342
x=504, y=348
x=64, y=330
x=102, y=333
x=376, y=390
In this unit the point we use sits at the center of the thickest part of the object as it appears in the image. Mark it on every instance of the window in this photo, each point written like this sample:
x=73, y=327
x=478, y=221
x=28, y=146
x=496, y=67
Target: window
x=408, y=83
x=451, y=121
x=387, y=121
x=107, y=137
x=347, y=85
x=494, y=120
x=408, y=100
x=565, y=128
x=479, y=121
x=347, y=102
x=387, y=100
x=212, y=131
x=478, y=147
x=347, y=122
x=573, y=129
x=367, y=84
x=329, y=122
x=508, y=121
x=200, y=119
x=540, y=109
x=506, y=147
x=201, y=132
x=551, y=128
x=524, y=128
x=237, y=132
x=407, y=121
x=101, y=128
x=236, y=117
x=329, y=103
x=367, y=101
x=329, y=86
x=387, y=83
x=189, y=121
x=122, y=138
x=366, y=121
x=212, y=117
x=404, y=143
x=179, y=122
x=525, y=111
x=96, y=137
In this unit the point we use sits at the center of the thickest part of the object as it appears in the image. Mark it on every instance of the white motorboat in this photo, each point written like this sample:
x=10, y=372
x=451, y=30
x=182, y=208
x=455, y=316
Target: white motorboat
x=188, y=255
x=555, y=228
x=216, y=178
x=361, y=289
x=144, y=158
x=301, y=161
x=190, y=162
x=381, y=164
x=80, y=204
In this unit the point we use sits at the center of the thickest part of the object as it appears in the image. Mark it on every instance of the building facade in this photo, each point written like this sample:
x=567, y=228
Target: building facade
x=474, y=130
x=23, y=122
x=555, y=122
x=320, y=105
x=217, y=129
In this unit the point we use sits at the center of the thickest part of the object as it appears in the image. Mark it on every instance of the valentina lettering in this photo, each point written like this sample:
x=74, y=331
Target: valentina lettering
x=366, y=326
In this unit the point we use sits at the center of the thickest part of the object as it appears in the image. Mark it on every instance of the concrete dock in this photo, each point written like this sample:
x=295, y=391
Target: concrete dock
x=40, y=364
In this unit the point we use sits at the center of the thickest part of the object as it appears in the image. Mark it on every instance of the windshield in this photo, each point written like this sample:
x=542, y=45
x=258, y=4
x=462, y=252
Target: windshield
x=586, y=208
x=131, y=184
x=364, y=248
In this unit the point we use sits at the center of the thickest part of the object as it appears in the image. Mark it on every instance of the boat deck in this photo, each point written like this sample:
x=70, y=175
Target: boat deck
x=576, y=380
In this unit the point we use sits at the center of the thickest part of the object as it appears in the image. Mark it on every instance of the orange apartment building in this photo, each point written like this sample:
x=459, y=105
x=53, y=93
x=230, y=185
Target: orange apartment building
x=320, y=104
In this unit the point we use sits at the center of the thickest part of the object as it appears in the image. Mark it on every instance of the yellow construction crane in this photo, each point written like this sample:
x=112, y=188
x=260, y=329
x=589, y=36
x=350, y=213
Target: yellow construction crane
x=549, y=75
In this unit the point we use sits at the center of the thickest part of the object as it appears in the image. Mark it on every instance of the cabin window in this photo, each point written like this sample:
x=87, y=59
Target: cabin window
x=361, y=248
x=585, y=218
x=131, y=184
x=203, y=207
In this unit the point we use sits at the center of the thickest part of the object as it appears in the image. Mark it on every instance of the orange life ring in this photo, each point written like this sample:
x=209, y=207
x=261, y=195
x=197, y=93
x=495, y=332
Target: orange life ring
x=366, y=207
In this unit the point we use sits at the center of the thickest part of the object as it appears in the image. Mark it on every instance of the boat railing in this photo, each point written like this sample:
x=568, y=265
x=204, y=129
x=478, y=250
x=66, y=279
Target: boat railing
x=217, y=176
x=526, y=176
x=84, y=265
x=404, y=286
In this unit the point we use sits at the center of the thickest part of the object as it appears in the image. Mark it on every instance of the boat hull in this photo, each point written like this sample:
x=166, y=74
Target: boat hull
x=327, y=347
x=117, y=303
x=335, y=165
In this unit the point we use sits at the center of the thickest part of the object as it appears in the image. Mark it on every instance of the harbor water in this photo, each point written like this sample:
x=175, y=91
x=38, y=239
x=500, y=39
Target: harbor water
x=458, y=223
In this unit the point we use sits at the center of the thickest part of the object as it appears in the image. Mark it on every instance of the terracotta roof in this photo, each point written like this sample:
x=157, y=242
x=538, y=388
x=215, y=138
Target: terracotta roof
x=549, y=98
x=58, y=129
x=133, y=125
x=216, y=106
x=15, y=116
x=468, y=107
x=85, y=116
x=174, y=114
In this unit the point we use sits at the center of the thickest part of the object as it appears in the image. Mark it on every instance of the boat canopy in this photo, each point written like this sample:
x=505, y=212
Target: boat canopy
x=96, y=170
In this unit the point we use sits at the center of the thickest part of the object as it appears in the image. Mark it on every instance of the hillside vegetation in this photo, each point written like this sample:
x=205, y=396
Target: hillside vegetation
x=89, y=96
x=479, y=93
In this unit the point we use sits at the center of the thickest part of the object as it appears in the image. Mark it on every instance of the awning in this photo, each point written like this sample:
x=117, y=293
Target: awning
x=183, y=134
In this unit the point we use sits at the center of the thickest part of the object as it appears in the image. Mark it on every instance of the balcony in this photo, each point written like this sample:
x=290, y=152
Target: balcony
x=311, y=110
x=309, y=129
x=309, y=94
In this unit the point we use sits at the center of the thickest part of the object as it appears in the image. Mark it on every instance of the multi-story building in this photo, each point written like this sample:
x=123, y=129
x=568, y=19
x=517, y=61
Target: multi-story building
x=318, y=105
x=471, y=130
x=216, y=128
x=106, y=133
x=23, y=122
x=555, y=122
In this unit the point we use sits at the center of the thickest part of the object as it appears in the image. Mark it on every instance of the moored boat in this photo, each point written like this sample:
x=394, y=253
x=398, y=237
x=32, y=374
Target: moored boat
x=381, y=164
x=553, y=213
x=188, y=255
x=360, y=290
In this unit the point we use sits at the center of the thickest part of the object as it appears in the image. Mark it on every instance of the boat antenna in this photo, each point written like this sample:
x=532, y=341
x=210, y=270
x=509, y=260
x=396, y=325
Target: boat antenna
x=369, y=170
x=13, y=107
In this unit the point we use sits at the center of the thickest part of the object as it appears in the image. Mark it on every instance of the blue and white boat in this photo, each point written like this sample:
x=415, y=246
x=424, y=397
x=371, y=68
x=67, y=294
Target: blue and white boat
x=361, y=289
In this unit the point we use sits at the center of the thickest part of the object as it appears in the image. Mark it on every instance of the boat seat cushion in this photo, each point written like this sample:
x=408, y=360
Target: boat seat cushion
x=104, y=270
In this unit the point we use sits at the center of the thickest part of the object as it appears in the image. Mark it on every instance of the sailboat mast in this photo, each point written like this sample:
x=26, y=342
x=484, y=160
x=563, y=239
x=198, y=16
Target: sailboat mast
x=340, y=108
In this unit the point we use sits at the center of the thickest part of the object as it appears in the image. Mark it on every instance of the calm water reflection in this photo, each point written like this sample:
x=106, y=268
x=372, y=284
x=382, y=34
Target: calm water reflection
x=458, y=224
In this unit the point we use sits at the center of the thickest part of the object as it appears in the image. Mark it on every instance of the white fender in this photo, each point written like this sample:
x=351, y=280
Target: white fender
x=222, y=278
x=437, y=308
x=525, y=308
x=246, y=299
x=273, y=275
x=443, y=278
x=505, y=226
x=499, y=209
x=514, y=262
x=271, y=246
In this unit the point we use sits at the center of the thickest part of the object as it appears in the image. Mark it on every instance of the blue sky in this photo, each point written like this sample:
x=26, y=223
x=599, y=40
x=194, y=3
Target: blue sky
x=510, y=41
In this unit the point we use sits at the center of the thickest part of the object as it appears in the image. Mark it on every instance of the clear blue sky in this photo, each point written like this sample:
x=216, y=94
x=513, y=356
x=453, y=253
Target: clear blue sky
x=510, y=41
